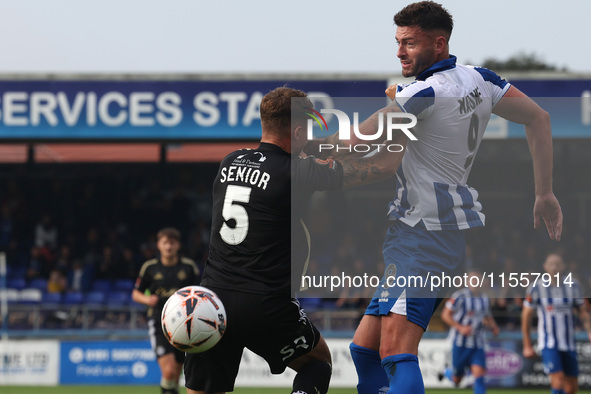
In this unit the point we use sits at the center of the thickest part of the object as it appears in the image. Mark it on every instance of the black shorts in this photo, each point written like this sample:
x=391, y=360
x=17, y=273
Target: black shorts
x=160, y=344
x=274, y=327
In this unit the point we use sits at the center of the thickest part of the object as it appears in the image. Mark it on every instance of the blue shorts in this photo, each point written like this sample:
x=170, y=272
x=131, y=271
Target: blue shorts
x=412, y=255
x=560, y=361
x=464, y=357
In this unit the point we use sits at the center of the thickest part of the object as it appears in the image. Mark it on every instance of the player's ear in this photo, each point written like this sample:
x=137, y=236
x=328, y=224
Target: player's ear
x=440, y=44
x=298, y=133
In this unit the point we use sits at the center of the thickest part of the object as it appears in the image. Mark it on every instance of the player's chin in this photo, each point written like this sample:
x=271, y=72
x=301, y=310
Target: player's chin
x=407, y=73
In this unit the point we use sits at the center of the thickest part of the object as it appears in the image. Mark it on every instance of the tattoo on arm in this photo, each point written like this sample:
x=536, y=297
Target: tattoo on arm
x=359, y=171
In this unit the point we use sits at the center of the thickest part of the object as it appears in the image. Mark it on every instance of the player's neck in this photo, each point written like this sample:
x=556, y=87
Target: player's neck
x=283, y=143
x=442, y=56
x=169, y=260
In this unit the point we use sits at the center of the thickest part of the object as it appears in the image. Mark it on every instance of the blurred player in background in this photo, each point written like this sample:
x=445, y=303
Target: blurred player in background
x=555, y=302
x=161, y=277
x=257, y=258
x=467, y=312
x=433, y=203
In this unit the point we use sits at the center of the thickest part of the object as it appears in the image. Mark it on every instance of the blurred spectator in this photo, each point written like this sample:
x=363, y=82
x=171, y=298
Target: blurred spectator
x=46, y=233
x=38, y=264
x=57, y=282
x=79, y=277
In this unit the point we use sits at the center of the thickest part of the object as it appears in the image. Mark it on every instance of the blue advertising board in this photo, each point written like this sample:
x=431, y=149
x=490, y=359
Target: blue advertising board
x=190, y=110
x=114, y=362
x=567, y=101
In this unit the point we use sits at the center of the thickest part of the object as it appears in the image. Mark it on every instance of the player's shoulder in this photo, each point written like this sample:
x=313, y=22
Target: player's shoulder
x=417, y=89
x=147, y=265
x=460, y=294
x=189, y=262
x=233, y=155
x=487, y=75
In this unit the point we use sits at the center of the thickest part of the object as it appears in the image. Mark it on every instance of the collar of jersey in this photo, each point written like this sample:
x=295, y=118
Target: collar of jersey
x=443, y=65
x=267, y=146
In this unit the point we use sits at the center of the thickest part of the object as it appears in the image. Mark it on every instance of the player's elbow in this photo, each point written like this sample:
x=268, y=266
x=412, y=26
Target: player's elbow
x=540, y=119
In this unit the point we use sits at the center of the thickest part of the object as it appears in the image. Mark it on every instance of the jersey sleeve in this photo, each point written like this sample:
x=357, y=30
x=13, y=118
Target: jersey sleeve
x=455, y=302
x=142, y=282
x=417, y=98
x=316, y=174
x=496, y=86
x=532, y=297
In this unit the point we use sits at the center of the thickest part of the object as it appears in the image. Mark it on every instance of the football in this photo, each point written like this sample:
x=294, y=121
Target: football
x=193, y=319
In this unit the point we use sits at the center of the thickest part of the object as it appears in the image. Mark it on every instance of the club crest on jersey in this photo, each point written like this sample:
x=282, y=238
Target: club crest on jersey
x=182, y=275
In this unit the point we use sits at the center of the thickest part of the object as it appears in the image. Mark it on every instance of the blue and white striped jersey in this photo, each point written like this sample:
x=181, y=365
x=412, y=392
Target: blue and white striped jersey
x=453, y=104
x=556, y=321
x=468, y=310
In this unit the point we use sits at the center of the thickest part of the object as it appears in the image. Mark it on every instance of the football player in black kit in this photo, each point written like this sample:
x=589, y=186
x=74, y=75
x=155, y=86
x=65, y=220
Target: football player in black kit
x=162, y=277
x=251, y=261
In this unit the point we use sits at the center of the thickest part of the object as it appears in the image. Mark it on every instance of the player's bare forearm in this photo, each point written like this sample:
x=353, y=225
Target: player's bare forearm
x=526, y=316
x=490, y=322
x=447, y=318
x=336, y=148
x=517, y=107
x=585, y=318
x=382, y=165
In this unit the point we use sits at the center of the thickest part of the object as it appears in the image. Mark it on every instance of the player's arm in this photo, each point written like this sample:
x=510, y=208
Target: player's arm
x=489, y=321
x=142, y=298
x=526, y=318
x=585, y=319
x=138, y=293
x=382, y=165
x=447, y=317
x=516, y=107
x=368, y=127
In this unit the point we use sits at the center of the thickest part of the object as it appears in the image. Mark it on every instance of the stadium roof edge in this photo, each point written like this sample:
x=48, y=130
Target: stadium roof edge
x=534, y=75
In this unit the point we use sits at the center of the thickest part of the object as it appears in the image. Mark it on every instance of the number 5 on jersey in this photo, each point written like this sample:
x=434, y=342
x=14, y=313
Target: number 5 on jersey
x=232, y=211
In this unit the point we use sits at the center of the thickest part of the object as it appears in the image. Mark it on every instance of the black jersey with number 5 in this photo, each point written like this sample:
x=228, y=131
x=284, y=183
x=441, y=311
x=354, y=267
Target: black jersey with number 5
x=255, y=224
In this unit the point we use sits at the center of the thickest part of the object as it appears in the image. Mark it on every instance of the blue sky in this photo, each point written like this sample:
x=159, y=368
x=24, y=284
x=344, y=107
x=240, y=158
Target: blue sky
x=272, y=36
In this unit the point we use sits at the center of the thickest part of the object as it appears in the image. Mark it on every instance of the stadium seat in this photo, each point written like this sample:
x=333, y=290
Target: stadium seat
x=51, y=298
x=15, y=272
x=124, y=285
x=310, y=304
x=103, y=285
x=30, y=296
x=118, y=299
x=38, y=283
x=73, y=298
x=11, y=295
x=16, y=283
x=94, y=298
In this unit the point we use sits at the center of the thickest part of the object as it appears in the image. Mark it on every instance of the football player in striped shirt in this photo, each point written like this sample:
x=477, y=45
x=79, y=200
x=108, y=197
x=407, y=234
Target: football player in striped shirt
x=467, y=312
x=555, y=302
x=433, y=203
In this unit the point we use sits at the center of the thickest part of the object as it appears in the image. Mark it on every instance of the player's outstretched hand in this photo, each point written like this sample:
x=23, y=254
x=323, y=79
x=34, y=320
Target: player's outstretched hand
x=547, y=207
x=528, y=352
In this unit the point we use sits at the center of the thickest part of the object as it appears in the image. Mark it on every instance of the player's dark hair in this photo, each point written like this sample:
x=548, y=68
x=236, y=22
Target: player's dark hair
x=428, y=15
x=170, y=233
x=277, y=110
